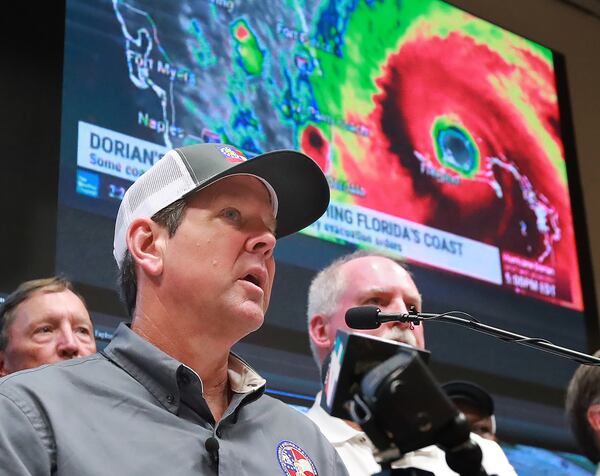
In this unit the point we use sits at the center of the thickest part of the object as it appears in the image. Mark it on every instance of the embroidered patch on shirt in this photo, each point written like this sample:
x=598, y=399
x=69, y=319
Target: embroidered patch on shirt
x=294, y=461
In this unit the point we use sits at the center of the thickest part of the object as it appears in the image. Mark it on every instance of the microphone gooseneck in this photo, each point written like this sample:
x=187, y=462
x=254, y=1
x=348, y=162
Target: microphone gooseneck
x=370, y=317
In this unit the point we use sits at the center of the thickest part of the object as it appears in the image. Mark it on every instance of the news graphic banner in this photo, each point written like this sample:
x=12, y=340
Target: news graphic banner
x=422, y=244
x=102, y=152
x=453, y=161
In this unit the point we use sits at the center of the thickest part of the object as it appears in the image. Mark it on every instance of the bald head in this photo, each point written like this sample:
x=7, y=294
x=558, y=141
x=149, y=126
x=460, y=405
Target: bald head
x=361, y=279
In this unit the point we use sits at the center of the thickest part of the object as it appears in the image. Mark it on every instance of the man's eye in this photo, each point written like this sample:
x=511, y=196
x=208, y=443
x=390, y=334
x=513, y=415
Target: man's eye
x=231, y=214
x=43, y=330
x=375, y=301
x=83, y=330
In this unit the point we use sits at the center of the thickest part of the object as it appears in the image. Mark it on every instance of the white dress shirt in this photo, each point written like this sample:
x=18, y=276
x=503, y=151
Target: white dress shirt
x=356, y=450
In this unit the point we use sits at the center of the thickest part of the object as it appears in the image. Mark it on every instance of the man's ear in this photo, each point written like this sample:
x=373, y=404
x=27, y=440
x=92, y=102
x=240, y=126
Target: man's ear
x=593, y=416
x=3, y=369
x=318, y=331
x=146, y=241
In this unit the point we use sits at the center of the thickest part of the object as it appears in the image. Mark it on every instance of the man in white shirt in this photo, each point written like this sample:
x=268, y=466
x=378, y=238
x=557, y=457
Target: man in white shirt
x=359, y=279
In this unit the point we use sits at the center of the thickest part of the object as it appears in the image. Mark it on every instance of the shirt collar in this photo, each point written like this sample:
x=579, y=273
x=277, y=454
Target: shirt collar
x=242, y=377
x=150, y=366
x=158, y=372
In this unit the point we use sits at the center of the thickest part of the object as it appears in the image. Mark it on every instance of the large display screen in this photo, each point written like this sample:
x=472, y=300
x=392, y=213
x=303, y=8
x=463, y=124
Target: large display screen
x=440, y=133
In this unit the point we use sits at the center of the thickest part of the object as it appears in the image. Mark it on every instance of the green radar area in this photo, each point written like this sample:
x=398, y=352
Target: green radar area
x=249, y=54
x=455, y=148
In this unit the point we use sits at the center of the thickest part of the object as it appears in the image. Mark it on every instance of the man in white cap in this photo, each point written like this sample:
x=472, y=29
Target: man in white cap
x=194, y=241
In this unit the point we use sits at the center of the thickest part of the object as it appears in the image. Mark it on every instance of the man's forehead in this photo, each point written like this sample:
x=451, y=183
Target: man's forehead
x=389, y=288
x=48, y=296
x=44, y=294
x=47, y=306
x=375, y=274
x=376, y=271
x=236, y=187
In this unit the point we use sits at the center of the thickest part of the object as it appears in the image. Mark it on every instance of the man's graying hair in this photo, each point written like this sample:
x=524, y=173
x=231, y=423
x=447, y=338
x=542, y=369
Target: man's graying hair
x=24, y=291
x=583, y=392
x=169, y=217
x=327, y=286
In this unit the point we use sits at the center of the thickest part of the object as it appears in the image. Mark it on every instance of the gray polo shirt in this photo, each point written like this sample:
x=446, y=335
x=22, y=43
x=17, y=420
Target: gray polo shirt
x=134, y=410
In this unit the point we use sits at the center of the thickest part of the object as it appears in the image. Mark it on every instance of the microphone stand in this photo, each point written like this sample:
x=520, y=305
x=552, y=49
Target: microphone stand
x=460, y=458
x=507, y=336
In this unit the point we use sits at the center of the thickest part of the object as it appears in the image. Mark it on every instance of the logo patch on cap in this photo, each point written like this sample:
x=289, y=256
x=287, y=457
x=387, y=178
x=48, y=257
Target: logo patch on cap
x=232, y=155
x=294, y=461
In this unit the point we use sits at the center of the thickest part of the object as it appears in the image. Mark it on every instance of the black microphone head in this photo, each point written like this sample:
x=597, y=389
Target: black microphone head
x=363, y=317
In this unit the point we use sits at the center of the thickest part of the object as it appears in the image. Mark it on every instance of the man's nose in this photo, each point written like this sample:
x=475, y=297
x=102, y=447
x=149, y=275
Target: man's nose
x=263, y=242
x=401, y=325
x=67, y=346
x=398, y=306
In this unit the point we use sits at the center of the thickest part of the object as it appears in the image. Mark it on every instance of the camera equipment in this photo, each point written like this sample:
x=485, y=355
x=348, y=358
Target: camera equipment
x=387, y=389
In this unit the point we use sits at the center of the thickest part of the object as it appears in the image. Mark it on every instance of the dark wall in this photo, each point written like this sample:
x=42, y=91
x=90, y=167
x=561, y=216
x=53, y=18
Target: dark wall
x=31, y=91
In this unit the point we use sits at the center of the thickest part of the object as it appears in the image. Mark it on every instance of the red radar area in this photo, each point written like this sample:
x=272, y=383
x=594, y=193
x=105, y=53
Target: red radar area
x=469, y=136
x=241, y=33
x=315, y=146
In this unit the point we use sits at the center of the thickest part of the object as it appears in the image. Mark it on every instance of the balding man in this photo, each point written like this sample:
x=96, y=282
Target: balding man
x=360, y=279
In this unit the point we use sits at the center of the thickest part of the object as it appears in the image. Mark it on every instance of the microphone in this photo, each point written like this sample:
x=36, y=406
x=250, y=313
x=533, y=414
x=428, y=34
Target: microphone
x=212, y=446
x=371, y=317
